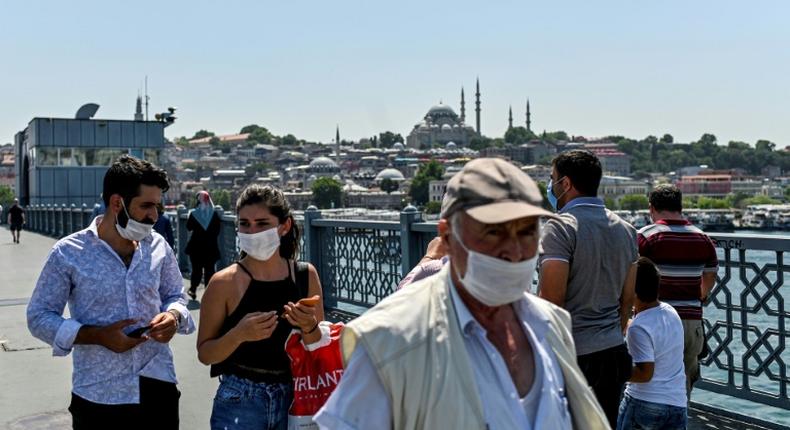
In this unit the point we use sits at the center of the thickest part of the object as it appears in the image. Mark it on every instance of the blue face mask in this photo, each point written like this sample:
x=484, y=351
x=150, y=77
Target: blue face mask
x=550, y=193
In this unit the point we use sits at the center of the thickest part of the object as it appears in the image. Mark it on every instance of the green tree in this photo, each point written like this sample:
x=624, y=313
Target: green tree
x=249, y=128
x=543, y=192
x=479, y=143
x=181, y=141
x=200, y=134
x=764, y=145
x=712, y=203
x=262, y=136
x=433, y=207
x=760, y=200
x=428, y=172
x=736, y=200
x=289, y=139
x=388, y=185
x=555, y=136
x=221, y=198
x=518, y=135
x=388, y=138
x=667, y=138
x=327, y=193
x=633, y=202
x=6, y=197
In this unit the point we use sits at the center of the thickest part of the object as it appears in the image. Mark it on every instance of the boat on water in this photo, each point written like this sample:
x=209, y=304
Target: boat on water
x=713, y=220
x=710, y=220
x=766, y=217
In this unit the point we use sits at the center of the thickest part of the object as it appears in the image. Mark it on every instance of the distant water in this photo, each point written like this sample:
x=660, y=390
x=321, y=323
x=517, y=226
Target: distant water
x=761, y=320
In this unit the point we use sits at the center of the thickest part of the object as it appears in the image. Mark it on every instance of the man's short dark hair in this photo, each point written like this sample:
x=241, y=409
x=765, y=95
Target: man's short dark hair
x=582, y=167
x=647, y=280
x=666, y=197
x=125, y=176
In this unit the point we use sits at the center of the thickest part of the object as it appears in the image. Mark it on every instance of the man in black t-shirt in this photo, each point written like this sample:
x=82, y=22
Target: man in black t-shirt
x=16, y=218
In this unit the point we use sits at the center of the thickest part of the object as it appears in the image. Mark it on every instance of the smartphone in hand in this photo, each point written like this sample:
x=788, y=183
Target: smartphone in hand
x=136, y=333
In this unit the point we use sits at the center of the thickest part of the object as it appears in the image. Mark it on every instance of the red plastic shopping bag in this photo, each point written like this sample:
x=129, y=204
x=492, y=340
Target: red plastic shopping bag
x=316, y=370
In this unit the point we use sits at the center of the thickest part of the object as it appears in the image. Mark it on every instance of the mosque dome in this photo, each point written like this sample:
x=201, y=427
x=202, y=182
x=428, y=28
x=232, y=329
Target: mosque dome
x=451, y=145
x=447, y=127
x=391, y=174
x=323, y=163
x=441, y=110
x=399, y=146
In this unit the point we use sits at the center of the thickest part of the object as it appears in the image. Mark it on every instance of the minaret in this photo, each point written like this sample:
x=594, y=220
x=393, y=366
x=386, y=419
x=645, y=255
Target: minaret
x=510, y=118
x=477, y=106
x=463, y=107
x=337, y=144
x=529, y=120
x=138, y=112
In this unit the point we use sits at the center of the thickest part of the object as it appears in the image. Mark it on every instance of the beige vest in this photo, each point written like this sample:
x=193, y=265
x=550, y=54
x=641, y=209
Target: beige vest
x=415, y=344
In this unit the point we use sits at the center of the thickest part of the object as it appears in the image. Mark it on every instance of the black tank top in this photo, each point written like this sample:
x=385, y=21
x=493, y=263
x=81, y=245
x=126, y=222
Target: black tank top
x=264, y=360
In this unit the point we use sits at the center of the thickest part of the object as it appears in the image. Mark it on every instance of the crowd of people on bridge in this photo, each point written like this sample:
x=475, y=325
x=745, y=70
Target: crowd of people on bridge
x=609, y=339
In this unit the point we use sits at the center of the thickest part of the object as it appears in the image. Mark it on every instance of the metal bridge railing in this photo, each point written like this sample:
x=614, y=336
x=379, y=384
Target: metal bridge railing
x=361, y=262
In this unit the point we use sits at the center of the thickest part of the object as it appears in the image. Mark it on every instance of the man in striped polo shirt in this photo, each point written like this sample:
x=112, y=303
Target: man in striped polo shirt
x=687, y=261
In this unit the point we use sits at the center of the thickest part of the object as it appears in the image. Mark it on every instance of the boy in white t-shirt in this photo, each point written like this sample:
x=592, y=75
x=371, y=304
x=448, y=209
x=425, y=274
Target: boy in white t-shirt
x=655, y=396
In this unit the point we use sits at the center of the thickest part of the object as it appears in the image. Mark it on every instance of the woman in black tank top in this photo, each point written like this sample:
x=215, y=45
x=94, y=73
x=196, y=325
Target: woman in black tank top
x=248, y=311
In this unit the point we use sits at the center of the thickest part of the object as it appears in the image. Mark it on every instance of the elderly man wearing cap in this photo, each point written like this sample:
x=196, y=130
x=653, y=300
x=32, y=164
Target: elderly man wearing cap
x=468, y=348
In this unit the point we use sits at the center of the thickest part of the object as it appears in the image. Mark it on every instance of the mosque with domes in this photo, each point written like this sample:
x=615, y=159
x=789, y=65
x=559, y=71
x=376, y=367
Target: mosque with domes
x=442, y=127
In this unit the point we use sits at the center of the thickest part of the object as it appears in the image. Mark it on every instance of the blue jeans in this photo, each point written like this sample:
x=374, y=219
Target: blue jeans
x=242, y=404
x=642, y=415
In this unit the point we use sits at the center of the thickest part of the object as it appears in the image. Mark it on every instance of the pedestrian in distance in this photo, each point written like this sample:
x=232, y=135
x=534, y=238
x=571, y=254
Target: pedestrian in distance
x=250, y=308
x=202, y=247
x=686, y=258
x=468, y=348
x=655, y=396
x=163, y=226
x=16, y=219
x=587, y=266
x=125, y=296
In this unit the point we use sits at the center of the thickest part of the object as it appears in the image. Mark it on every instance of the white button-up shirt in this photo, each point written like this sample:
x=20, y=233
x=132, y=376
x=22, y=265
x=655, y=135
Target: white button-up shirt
x=361, y=402
x=85, y=272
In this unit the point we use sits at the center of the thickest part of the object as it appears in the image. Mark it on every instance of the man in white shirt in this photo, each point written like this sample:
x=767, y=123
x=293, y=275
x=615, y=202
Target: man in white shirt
x=468, y=348
x=655, y=396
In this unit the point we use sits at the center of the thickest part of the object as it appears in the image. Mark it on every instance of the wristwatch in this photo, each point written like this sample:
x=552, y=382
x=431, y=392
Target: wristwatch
x=177, y=315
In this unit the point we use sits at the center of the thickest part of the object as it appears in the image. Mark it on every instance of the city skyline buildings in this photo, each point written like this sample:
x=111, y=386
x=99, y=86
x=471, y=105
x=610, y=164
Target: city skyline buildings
x=593, y=70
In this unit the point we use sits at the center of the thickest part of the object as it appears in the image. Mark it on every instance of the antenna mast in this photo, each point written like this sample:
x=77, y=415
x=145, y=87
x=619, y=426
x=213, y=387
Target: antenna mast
x=146, y=97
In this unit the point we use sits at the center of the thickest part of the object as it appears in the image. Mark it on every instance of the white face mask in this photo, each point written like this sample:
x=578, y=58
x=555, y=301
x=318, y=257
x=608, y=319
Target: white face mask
x=260, y=246
x=134, y=230
x=493, y=281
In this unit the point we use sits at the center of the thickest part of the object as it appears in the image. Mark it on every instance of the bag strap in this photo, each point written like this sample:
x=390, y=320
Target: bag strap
x=302, y=278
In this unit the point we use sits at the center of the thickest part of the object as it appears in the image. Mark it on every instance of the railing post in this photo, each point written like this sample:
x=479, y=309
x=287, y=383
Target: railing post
x=226, y=241
x=62, y=224
x=409, y=242
x=314, y=250
x=182, y=237
x=48, y=220
x=72, y=218
x=85, y=216
x=31, y=218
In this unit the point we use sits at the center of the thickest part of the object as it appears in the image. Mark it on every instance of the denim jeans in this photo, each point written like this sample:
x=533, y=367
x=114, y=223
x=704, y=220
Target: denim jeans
x=642, y=415
x=242, y=404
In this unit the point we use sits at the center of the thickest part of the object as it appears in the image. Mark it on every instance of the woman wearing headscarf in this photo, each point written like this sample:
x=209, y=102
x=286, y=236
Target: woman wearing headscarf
x=202, y=247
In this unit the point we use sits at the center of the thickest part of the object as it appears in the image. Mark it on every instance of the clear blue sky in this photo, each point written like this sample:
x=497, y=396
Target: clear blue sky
x=590, y=68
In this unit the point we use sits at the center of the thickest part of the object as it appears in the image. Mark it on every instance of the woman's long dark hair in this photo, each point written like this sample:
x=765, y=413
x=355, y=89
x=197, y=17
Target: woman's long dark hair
x=272, y=198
